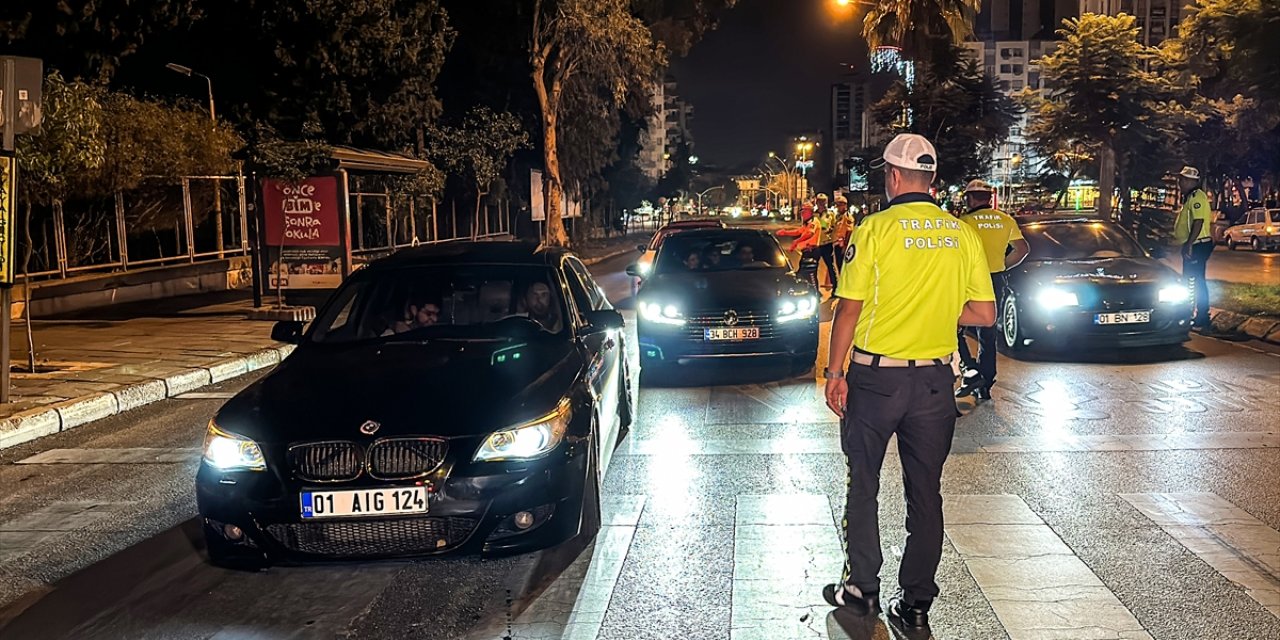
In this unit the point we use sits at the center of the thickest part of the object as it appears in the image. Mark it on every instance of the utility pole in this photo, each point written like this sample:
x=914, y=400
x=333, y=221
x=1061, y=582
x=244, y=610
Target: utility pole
x=15, y=120
x=217, y=184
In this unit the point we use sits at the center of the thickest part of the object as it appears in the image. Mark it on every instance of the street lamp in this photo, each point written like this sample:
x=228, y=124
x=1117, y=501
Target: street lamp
x=790, y=176
x=213, y=121
x=703, y=194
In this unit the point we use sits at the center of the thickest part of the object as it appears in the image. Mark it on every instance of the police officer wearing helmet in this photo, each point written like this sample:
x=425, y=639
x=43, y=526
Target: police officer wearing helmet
x=913, y=274
x=1193, y=231
x=1005, y=248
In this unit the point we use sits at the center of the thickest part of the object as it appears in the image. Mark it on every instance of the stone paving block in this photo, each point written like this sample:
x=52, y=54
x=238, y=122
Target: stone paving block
x=29, y=425
x=142, y=393
x=1259, y=326
x=227, y=369
x=189, y=380
x=1228, y=321
x=87, y=409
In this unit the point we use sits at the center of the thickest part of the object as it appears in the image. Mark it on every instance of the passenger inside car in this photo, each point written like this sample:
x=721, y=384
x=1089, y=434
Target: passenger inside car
x=416, y=315
x=536, y=303
x=693, y=259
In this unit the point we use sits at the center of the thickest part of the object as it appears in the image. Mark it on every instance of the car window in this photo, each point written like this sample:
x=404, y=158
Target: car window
x=581, y=297
x=594, y=292
x=719, y=251
x=1080, y=241
x=1275, y=215
x=1253, y=218
x=468, y=301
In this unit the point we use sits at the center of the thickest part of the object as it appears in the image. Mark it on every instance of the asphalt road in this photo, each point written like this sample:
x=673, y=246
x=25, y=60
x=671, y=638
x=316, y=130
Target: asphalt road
x=1244, y=265
x=1104, y=495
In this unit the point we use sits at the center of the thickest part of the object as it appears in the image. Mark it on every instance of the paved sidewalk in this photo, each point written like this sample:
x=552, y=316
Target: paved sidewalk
x=97, y=363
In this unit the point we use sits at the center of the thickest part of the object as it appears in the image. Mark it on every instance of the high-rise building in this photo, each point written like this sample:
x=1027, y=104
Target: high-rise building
x=1157, y=19
x=670, y=125
x=853, y=126
x=1022, y=19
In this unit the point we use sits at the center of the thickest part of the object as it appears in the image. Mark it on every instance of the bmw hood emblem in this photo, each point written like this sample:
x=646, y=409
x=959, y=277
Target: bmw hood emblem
x=369, y=427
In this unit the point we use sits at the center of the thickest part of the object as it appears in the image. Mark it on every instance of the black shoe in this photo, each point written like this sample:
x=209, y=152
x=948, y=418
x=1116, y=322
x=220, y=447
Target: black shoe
x=912, y=616
x=970, y=385
x=837, y=596
x=984, y=392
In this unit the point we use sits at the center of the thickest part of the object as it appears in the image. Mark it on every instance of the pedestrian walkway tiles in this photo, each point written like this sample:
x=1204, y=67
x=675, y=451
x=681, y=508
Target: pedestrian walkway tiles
x=1236, y=544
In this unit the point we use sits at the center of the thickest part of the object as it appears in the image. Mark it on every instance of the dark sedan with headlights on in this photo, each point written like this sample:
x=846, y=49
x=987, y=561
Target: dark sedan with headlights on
x=719, y=294
x=458, y=398
x=1087, y=284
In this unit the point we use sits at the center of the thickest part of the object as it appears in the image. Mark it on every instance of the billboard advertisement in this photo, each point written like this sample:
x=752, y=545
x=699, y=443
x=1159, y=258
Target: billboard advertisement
x=303, y=233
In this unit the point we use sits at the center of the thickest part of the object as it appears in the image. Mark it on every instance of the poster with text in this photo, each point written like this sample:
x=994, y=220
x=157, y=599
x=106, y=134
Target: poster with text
x=303, y=225
x=8, y=198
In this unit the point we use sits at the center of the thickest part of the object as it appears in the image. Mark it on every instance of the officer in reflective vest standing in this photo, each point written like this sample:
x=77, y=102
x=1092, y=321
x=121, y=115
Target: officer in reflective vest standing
x=1005, y=248
x=1193, y=231
x=913, y=273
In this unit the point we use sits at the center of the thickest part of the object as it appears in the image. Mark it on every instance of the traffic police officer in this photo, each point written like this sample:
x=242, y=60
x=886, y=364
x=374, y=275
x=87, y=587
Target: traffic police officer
x=913, y=274
x=1193, y=230
x=1005, y=248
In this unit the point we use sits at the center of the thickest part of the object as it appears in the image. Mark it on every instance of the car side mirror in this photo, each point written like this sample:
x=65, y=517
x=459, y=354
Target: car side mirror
x=642, y=248
x=633, y=270
x=288, y=331
x=604, y=320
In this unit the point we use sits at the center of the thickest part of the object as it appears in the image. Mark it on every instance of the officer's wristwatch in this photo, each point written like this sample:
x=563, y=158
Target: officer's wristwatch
x=832, y=374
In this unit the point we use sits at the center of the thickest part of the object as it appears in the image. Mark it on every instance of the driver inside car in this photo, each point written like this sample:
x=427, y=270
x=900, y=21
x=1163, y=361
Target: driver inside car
x=537, y=304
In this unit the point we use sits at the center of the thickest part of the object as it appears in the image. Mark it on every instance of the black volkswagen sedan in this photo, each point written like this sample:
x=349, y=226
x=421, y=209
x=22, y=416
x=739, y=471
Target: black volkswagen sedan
x=1088, y=283
x=460, y=398
x=724, y=293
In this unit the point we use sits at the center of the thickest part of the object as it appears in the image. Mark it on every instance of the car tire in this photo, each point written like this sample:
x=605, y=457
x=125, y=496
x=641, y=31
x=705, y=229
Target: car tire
x=626, y=405
x=592, y=516
x=1232, y=245
x=1011, y=334
x=1256, y=244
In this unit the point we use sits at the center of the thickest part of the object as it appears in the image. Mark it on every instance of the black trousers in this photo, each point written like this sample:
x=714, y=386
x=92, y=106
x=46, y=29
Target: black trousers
x=915, y=404
x=828, y=254
x=1193, y=271
x=985, y=363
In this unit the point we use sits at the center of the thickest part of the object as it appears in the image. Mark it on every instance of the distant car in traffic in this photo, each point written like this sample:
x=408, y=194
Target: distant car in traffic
x=644, y=264
x=724, y=294
x=1088, y=283
x=459, y=398
x=1260, y=230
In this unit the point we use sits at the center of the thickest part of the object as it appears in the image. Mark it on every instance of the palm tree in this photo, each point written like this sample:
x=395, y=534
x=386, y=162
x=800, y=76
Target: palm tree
x=924, y=29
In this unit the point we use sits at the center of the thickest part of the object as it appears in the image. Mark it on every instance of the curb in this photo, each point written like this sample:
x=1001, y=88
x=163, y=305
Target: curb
x=1265, y=328
x=608, y=255
x=28, y=425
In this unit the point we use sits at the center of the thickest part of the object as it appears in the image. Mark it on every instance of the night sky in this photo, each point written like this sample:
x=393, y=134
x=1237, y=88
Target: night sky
x=765, y=75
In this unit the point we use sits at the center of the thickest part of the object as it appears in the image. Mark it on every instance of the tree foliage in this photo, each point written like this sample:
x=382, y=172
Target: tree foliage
x=69, y=143
x=89, y=38
x=478, y=148
x=961, y=111
x=924, y=29
x=596, y=42
x=1101, y=98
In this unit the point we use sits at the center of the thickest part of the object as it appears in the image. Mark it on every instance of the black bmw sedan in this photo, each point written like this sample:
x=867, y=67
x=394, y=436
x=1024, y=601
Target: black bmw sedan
x=458, y=398
x=724, y=293
x=1087, y=284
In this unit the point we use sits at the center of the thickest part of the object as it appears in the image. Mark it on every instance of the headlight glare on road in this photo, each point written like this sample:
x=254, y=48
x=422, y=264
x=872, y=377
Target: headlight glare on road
x=661, y=314
x=229, y=452
x=1057, y=298
x=1174, y=293
x=526, y=441
x=798, y=308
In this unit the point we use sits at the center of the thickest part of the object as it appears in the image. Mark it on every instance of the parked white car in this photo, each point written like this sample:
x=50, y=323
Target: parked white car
x=1260, y=230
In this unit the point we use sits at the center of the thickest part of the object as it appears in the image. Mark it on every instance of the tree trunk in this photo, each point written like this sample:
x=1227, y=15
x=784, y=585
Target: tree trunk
x=549, y=103
x=475, y=220
x=26, y=287
x=1106, y=180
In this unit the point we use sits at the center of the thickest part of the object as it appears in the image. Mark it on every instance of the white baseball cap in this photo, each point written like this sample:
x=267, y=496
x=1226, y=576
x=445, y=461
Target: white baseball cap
x=909, y=151
x=1190, y=172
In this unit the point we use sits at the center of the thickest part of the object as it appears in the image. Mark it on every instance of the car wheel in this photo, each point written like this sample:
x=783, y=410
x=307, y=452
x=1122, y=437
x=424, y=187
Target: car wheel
x=1256, y=244
x=591, y=512
x=1011, y=325
x=1231, y=244
x=626, y=404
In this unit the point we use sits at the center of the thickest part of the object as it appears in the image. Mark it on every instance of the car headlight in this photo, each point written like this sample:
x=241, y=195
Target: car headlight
x=644, y=268
x=1057, y=298
x=526, y=441
x=661, y=314
x=798, y=308
x=226, y=451
x=1174, y=293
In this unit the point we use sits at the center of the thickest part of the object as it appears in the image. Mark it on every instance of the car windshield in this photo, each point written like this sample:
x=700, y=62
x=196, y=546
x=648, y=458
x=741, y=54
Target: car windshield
x=453, y=301
x=1080, y=241
x=725, y=251
x=1275, y=215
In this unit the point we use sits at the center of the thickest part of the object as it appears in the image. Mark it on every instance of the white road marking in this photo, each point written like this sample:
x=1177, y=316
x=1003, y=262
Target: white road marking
x=1239, y=546
x=1036, y=585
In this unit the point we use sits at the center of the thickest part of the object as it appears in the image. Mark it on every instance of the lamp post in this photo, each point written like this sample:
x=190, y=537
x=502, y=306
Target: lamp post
x=703, y=194
x=213, y=121
x=790, y=179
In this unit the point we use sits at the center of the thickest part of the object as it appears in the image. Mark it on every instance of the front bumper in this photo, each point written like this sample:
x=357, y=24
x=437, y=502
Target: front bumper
x=470, y=510
x=1075, y=328
x=667, y=344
